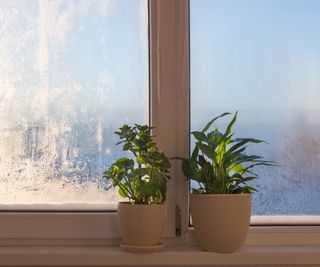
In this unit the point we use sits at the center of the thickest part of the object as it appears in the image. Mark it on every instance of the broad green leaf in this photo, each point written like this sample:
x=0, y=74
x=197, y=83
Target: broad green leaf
x=124, y=163
x=195, y=153
x=140, y=160
x=187, y=168
x=200, y=136
x=126, y=146
x=237, y=168
x=207, y=150
x=215, y=137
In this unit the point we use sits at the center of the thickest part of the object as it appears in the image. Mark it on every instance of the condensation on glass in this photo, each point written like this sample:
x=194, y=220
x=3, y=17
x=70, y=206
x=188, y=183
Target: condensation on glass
x=262, y=58
x=71, y=72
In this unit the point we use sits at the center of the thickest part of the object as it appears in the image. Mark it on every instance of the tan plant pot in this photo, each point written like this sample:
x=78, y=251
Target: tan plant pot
x=141, y=225
x=221, y=222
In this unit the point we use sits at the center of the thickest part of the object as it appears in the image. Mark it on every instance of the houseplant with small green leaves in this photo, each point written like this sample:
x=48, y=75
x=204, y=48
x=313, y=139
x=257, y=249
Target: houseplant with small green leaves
x=221, y=201
x=142, y=181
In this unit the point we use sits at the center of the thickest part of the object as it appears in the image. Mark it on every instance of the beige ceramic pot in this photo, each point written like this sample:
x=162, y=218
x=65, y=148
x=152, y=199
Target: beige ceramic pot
x=141, y=225
x=221, y=222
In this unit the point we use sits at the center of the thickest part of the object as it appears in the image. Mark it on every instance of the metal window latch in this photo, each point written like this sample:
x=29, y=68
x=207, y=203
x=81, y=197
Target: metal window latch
x=178, y=221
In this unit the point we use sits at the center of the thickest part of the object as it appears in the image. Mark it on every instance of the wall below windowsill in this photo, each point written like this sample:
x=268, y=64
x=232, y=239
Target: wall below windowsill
x=169, y=256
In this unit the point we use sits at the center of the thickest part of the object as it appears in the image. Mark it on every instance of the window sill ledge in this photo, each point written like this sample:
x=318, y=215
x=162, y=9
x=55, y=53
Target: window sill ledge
x=180, y=256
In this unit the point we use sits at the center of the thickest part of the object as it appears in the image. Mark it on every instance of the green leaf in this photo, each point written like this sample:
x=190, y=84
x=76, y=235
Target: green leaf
x=119, y=143
x=140, y=160
x=231, y=157
x=237, y=168
x=238, y=145
x=123, y=192
x=199, y=177
x=187, y=168
x=195, y=153
x=229, y=128
x=213, y=120
x=249, y=178
x=247, y=159
x=258, y=164
x=126, y=146
x=207, y=150
x=248, y=189
x=215, y=137
x=200, y=136
x=124, y=163
x=250, y=140
x=140, y=172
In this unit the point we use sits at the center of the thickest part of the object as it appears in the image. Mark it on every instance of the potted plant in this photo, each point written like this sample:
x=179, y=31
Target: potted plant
x=142, y=180
x=221, y=203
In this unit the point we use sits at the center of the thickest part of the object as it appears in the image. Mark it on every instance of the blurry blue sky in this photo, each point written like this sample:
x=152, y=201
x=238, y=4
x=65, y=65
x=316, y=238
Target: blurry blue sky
x=248, y=54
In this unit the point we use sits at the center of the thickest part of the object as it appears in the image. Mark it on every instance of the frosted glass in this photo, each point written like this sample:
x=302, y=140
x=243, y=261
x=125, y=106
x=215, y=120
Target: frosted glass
x=262, y=58
x=71, y=72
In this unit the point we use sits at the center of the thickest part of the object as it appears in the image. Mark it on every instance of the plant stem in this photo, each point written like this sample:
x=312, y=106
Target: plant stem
x=122, y=188
x=130, y=189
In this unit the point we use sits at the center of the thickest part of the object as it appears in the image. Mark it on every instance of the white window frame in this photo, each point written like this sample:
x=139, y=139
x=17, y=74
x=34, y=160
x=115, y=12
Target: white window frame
x=168, y=112
x=169, y=100
x=279, y=232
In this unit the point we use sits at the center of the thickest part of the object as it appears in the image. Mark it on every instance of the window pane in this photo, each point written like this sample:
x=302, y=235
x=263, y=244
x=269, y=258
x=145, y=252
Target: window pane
x=262, y=58
x=71, y=72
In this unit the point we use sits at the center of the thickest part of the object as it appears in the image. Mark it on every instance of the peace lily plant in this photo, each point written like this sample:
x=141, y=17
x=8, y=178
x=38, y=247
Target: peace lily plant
x=219, y=163
x=221, y=202
x=142, y=180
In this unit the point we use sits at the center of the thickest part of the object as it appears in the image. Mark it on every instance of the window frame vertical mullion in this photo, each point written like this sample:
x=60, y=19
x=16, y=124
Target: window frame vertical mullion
x=170, y=97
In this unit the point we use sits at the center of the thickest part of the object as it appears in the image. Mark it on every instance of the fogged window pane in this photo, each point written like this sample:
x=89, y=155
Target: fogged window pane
x=262, y=58
x=71, y=72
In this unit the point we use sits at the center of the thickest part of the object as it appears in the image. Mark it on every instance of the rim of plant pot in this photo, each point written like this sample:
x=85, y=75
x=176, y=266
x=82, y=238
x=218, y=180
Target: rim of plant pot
x=140, y=204
x=221, y=195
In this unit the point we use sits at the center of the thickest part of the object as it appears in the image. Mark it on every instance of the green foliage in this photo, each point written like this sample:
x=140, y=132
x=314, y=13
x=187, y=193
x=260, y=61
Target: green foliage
x=219, y=163
x=143, y=180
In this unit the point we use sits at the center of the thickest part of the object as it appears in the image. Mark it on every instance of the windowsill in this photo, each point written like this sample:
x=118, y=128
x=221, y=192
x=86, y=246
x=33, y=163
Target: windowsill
x=81, y=256
x=273, y=246
x=59, y=207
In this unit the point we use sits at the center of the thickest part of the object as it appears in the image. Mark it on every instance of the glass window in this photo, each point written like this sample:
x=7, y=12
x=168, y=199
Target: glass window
x=71, y=72
x=262, y=58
